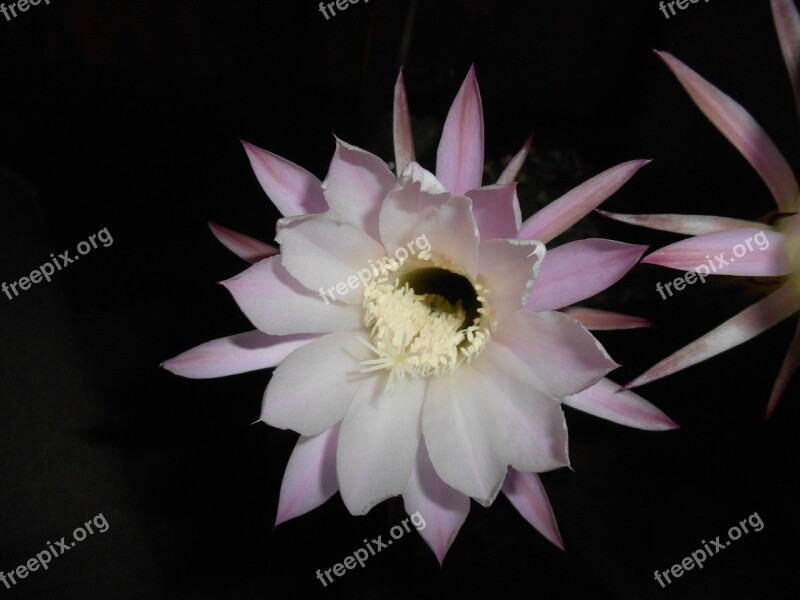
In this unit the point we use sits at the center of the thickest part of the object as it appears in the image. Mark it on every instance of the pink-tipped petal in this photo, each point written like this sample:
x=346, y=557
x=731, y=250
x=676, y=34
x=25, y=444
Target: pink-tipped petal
x=748, y=251
x=378, y=441
x=788, y=369
x=741, y=129
x=459, y=159
x=753, y=320
x=243, y=246
x=496, y=210
x=325, y=254
x=787, y=23
x=579, y=270
x=603, y=320
x=312, y=389
x=292, y=189
x=683, y=224
x=403, y=139
x=235, y=354
x=356, y=185
x=605, y=400
x=526, y=492
x=310, y=477
x=513, y=168
x=442, y=508
x=278, y=304
x=561, y=214
x=509, y=268
x=566, y=357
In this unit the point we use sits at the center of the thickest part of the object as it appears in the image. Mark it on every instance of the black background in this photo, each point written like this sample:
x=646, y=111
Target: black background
x=128, y=115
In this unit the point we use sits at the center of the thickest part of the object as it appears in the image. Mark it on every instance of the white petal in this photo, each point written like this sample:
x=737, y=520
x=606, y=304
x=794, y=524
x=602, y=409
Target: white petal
x=313, y=387
x=378, y=442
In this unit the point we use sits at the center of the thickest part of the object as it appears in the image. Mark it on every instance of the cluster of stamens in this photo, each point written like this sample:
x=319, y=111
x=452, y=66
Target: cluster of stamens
x=426, y=317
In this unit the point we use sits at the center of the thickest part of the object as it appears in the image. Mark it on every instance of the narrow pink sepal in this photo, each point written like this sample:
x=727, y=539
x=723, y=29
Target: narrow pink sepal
x=787, y=23
x=605, y=400
x=243, y=246
x=513, y=168
x=292, y=189
x=788, y=369
x=683, y=224
x=753, y=320
x=310, y=476
x=603, y=320
x=235, y=354
x=741, y=129
x=403, y=139
x=526, y=492
x=764, y=257
x=459, y=159
x=561, y=214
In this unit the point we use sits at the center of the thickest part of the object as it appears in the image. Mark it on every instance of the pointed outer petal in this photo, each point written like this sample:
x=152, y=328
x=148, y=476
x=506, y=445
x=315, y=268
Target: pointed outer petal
x=492, y=413
x=605, y=400
x=509, y=269
x=406, y=209
x=788, y=369
x=277, y=304
x=579, y=270
x=356, y=185
x=378, y=442
x=313, y=387
x=414, y=220
x=321, y=253
x=563, y=213
x=690, y=254
x=235, y=354
x=741, y=129
x=526, y=492
x=427, y=180
x=443, y=508
x=557, y=348
x=292, y=189
x=243, y=246
x=310, y=477
x=496, y=210
x=787, y=23
x=603, y=320
x=513, y=168
x=753, y=320
x=403, y=139
x=459, y=159
x=683, y=224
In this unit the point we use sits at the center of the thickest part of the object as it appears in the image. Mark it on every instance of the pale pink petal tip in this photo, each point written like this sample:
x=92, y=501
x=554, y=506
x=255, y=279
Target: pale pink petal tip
x=527, y=494
x=741, y=129
x=605, y=400
x=243, y=246
x=563, y=213
x=683, y=224
x=513, y=168
x=788, y=369
x=403, y=138
x=603, y=320
x=459, y=159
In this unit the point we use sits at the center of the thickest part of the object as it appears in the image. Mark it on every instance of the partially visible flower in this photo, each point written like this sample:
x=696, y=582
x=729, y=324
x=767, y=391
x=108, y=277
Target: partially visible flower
x=445, y=367
x=716, y=236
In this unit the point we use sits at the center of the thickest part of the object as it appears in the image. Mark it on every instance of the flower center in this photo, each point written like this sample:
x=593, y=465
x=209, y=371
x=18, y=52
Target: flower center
x=427, y=317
